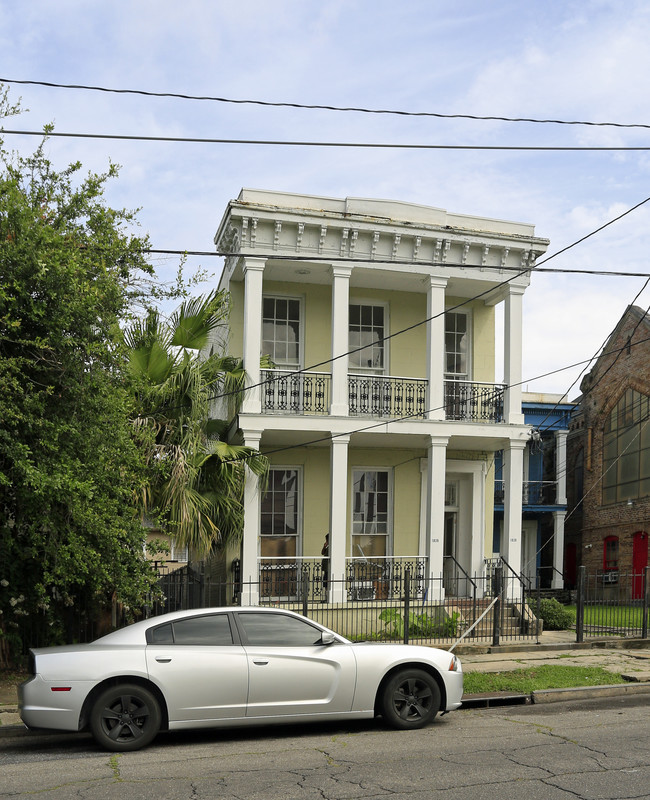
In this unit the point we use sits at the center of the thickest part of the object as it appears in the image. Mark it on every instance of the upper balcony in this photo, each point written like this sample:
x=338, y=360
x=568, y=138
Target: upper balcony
x=534, y=493
x=309, y=393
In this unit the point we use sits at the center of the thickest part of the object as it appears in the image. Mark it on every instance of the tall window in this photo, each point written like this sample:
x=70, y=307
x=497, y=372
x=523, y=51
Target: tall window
x=610, y=553
x=367, y=330
x=371, y=518
x=280, y=520
x=281, y=330
x=457, y=344
x=626, y=449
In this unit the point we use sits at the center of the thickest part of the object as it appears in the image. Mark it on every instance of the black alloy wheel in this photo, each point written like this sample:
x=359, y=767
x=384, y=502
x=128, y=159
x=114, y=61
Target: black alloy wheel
x=411, y=699
x=125, y=718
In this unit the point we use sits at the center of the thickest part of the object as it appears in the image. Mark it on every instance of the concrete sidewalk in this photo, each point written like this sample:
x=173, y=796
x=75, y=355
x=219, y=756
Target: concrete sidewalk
x=629, y=657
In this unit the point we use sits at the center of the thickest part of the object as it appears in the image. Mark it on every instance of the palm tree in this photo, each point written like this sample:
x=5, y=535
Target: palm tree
x=199, y=479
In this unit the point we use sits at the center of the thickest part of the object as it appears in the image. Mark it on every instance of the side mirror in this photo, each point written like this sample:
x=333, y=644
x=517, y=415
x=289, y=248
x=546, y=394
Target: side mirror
x=327, y=638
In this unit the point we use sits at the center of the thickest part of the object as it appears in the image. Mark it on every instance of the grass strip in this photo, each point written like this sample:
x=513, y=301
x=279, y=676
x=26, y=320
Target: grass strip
x=530, y=679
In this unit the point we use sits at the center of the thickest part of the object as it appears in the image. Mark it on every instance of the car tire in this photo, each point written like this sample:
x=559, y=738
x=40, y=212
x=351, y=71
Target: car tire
x=125, y=717
x=410, y=700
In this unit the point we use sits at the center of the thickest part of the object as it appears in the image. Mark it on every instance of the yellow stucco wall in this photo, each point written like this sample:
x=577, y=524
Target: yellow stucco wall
x=406, y=352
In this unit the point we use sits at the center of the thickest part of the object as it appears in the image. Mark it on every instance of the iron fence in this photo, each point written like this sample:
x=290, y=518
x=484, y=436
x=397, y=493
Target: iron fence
x=398, y=603
x=612, y=603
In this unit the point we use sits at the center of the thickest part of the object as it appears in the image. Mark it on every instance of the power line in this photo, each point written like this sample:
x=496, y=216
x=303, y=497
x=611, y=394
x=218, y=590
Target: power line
x=323, y=107
x=366, y=145
x=403, y=261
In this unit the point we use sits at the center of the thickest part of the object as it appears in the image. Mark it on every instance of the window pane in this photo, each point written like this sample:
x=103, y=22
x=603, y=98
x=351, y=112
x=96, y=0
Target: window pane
x=278, y=630
x=208, y=630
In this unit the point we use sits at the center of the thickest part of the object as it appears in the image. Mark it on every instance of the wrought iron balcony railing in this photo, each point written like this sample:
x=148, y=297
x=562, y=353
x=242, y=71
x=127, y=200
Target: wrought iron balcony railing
x=534, y=493
x=386, y=396
x=309, y=393
x=474, y=402
x=286, y=392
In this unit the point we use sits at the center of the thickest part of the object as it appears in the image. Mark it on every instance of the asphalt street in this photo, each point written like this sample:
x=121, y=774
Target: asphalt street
x=582, y=749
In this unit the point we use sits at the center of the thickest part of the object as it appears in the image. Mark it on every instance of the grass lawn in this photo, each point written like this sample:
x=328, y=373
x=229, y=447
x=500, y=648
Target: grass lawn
x=547, y=676
x=613, y=616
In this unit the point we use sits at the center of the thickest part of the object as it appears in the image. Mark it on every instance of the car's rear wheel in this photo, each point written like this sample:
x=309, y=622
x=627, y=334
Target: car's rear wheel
x=411, y=699
x=125, y=717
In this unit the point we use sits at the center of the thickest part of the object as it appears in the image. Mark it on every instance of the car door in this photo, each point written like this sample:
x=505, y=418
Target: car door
x=290, y=671
x=201, y=669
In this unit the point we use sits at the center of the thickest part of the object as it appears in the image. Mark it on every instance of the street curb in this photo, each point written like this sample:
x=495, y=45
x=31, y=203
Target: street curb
x=546, y=696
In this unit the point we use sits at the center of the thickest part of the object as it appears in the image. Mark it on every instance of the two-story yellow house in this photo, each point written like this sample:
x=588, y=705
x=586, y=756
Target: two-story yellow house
x=382, y=417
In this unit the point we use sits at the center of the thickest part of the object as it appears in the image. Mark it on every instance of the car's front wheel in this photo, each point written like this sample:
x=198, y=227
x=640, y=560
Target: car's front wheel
x=411, y=699
x=125, y=717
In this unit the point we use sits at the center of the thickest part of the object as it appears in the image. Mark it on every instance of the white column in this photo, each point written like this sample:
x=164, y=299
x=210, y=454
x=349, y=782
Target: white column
x=513, y=475
x=251, y=535
x=436, y=347
x=340, y=339
x=558, y=549
x=512, y=357
x=253, y=278
x=436, y=473
x=338, y=516
x=560, y=467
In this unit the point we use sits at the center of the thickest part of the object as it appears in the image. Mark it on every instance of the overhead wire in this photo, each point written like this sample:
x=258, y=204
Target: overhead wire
x=321, y=107
x=304, y=143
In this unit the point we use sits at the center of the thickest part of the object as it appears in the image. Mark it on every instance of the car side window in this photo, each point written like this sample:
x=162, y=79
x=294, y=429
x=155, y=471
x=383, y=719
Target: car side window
x=209, y=629
x=278, y=630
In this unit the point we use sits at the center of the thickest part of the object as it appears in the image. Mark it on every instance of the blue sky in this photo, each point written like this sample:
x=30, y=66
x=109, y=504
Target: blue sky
x=585, y=60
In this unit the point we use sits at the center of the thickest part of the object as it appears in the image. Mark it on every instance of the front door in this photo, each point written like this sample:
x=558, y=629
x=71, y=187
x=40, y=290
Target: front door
x=639, y=562
x=289, y=673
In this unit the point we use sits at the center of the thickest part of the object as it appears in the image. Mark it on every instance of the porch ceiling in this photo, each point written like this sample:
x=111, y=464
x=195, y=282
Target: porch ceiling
x=395, y=277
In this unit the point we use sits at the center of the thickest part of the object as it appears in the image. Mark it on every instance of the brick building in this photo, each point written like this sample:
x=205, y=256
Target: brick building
x=608, y=460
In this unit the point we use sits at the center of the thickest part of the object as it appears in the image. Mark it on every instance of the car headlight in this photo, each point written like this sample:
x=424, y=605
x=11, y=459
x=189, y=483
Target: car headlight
x=454, y=664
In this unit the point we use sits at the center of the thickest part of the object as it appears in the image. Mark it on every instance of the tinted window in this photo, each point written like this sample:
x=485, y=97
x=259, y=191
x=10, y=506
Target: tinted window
x=160, y=635
x=278, y=630
x=210, y=630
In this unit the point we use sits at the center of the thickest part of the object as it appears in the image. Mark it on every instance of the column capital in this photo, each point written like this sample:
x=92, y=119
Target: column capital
x=339, y=270
x=343, y=438
x=252, y=438
x=436, y=282
x=253, y=264
x=438, y=441
x=515, y=291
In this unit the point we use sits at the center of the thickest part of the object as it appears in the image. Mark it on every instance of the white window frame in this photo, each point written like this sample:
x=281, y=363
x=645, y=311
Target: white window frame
x=177, y=553
x=299, y=513
x=470, y=339
x=285, y=366
x=361, y=302
x=390, y=505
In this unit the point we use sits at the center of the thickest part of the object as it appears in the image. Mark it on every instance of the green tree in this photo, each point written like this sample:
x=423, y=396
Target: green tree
x=198, y=489
x=71, y=469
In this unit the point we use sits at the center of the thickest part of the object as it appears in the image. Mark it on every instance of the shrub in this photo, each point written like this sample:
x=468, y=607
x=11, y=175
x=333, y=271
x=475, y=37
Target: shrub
x=556, y=616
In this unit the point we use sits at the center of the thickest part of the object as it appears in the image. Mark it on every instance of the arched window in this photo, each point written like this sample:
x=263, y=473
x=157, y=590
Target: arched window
x=610, y=553
x=626, y=449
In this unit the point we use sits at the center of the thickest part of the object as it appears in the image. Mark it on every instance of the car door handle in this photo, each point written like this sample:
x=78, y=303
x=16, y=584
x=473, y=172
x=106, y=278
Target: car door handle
x=163, y=659
x=261, y=662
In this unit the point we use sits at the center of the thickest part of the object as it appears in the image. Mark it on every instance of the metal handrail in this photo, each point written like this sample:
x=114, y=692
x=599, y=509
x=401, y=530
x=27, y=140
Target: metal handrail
x=462, y=570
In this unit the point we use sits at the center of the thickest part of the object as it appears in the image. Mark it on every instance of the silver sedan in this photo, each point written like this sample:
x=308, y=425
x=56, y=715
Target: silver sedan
x=231, y=667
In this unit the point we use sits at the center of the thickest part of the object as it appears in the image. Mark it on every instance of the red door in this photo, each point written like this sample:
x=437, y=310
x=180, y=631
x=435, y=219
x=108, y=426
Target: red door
x=639, y=562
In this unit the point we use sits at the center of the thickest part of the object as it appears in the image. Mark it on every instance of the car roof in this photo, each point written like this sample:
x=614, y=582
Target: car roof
x=135, y=633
